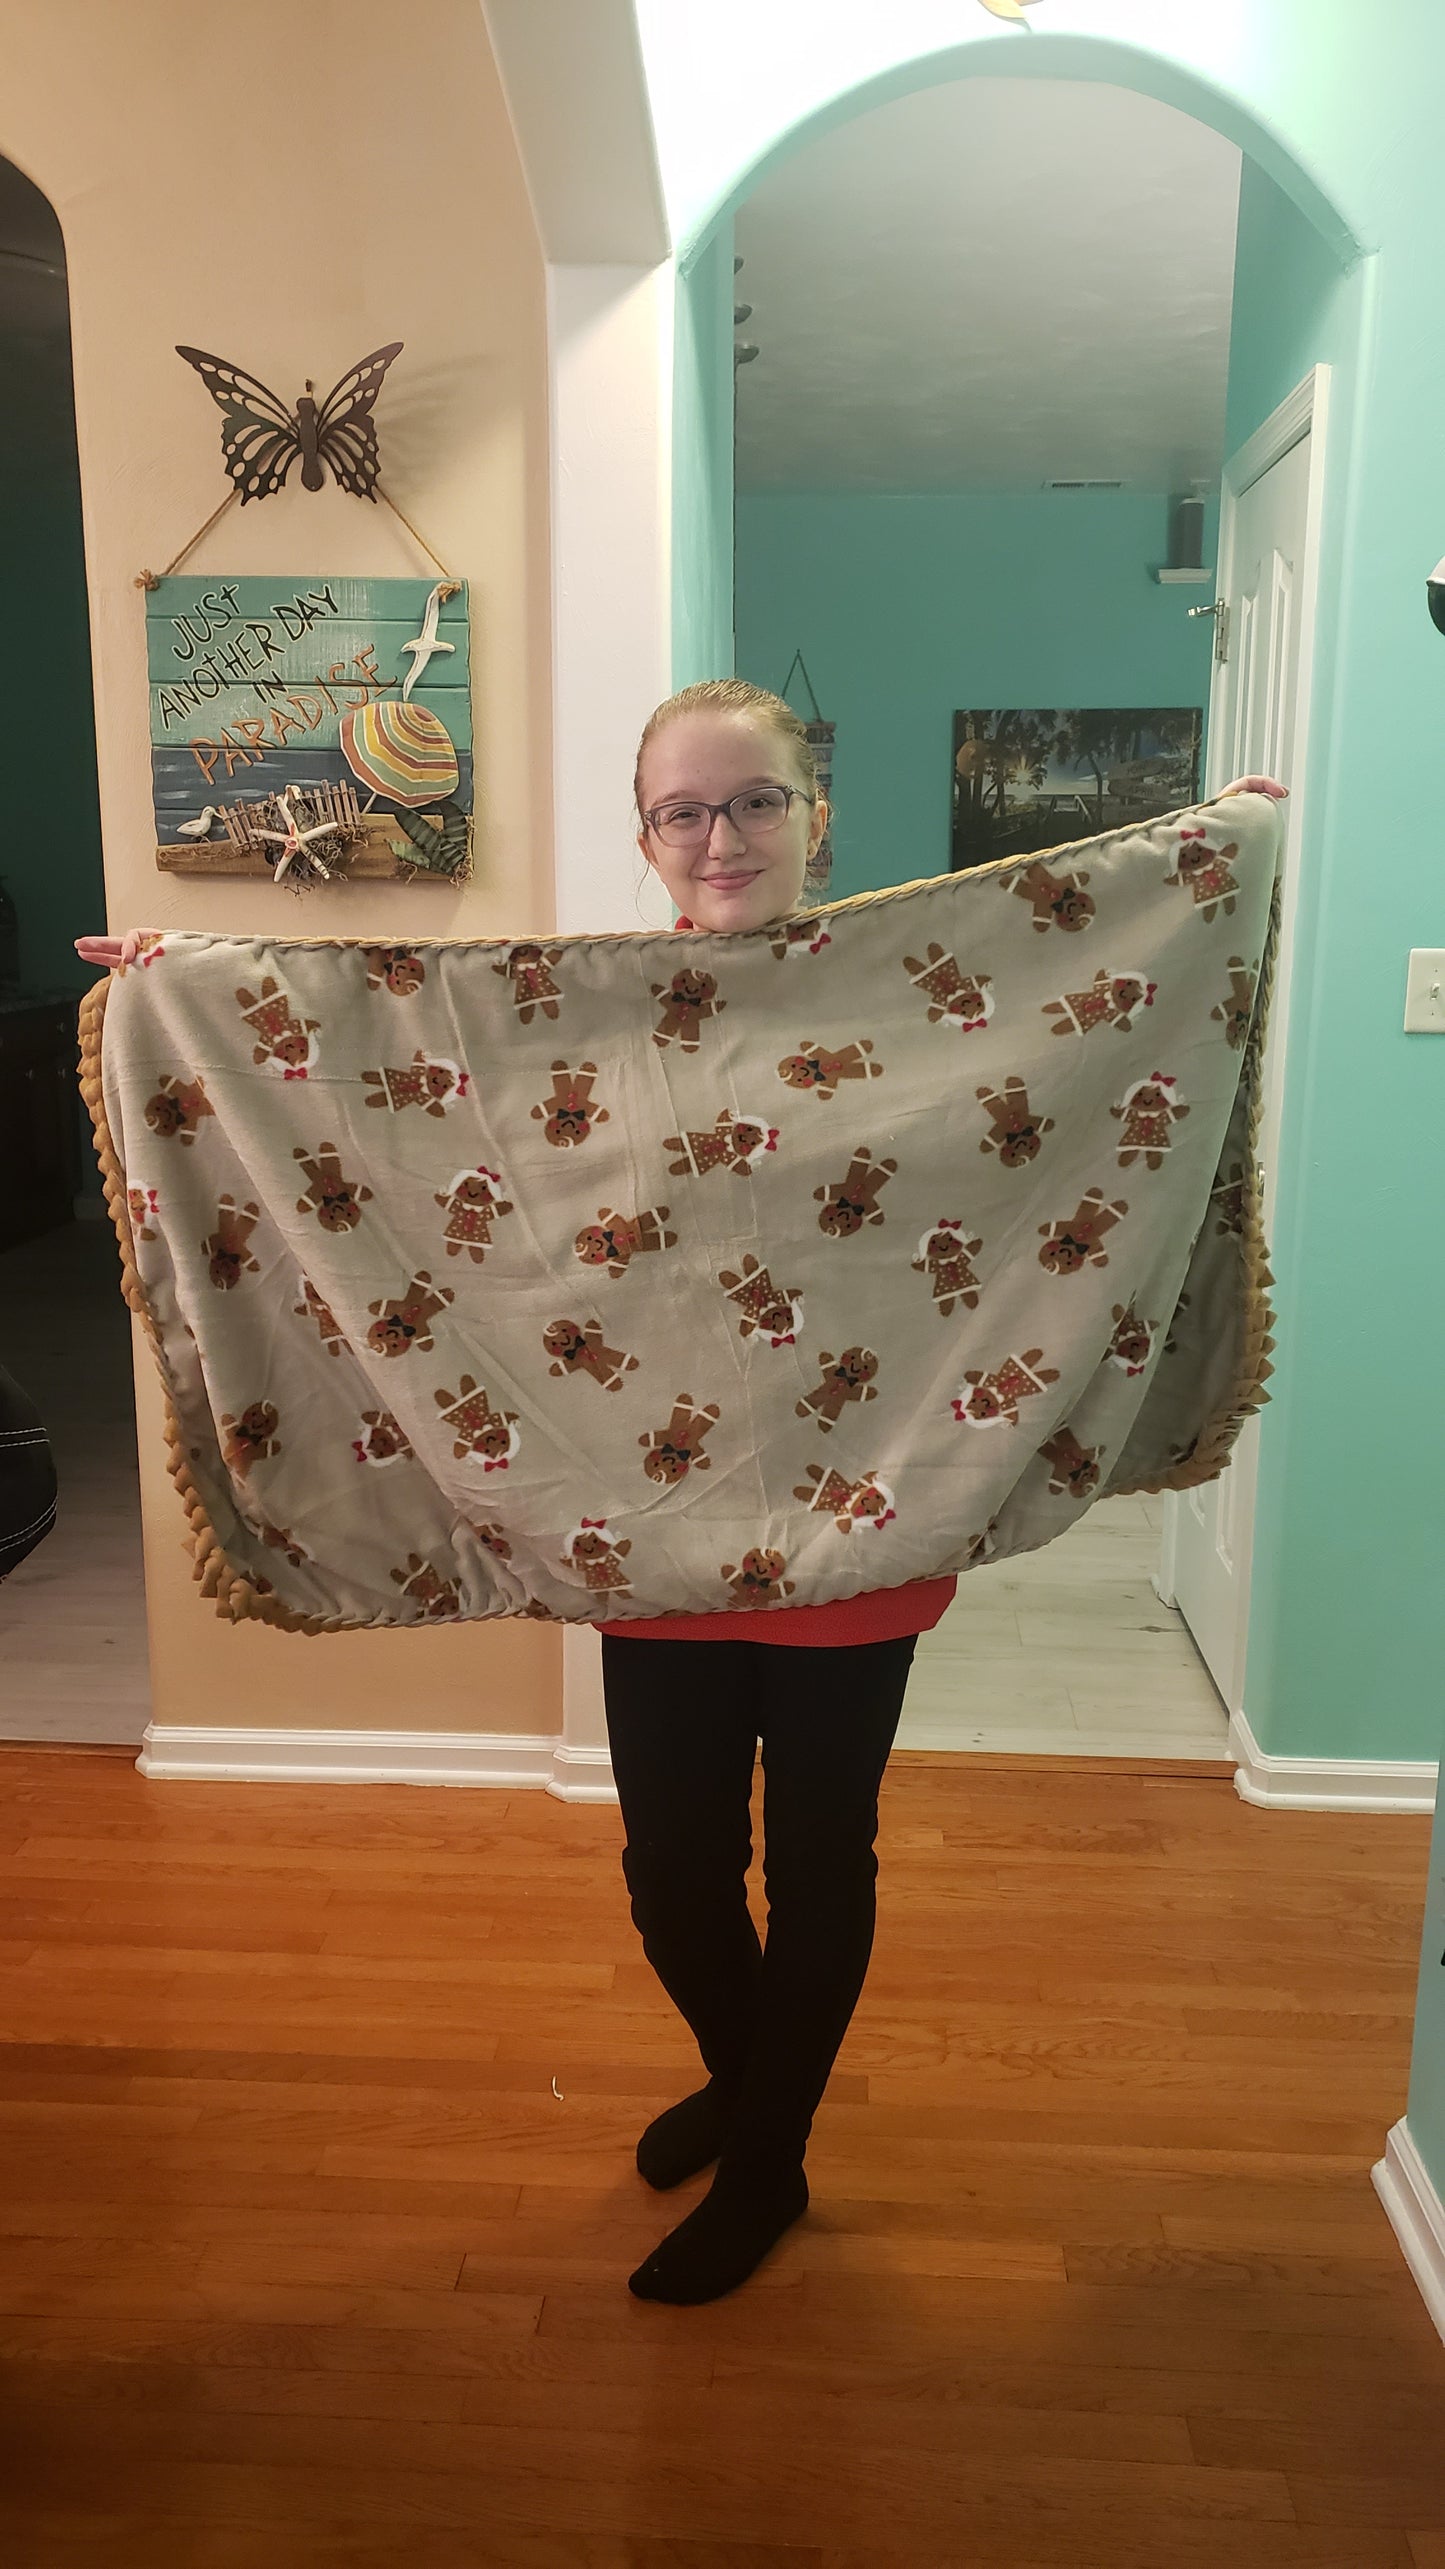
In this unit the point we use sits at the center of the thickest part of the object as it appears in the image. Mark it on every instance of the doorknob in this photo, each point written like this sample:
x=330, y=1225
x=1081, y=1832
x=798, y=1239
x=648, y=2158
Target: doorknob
x=1220, y=613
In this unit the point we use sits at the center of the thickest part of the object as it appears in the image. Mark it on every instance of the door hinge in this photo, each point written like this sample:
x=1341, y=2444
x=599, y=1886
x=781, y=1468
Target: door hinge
x=1220, y=613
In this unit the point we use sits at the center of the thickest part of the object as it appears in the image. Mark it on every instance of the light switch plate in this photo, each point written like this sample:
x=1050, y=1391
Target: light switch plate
x=1425, y=991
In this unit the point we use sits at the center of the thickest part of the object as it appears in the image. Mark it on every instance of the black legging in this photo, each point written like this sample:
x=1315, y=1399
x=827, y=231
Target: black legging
x=684, y=1719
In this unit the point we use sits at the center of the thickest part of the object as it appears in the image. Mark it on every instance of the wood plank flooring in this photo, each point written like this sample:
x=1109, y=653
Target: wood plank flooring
x=1068, y=1652
x=317, y=2113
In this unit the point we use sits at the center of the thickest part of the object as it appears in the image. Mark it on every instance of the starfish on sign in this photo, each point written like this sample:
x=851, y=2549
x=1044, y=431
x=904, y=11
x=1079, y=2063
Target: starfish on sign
x=292, y=840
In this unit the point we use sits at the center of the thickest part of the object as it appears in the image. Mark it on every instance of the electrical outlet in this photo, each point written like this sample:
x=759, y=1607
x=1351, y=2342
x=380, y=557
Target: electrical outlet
x=1425, y=991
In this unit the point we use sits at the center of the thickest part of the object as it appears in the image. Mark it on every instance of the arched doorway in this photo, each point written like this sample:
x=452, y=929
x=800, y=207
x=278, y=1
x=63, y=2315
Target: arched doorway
x=1089, y=1652
x=73, y=1613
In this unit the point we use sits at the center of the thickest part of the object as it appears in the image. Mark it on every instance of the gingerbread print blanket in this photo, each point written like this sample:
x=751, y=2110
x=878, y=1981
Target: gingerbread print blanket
x=636, y=1275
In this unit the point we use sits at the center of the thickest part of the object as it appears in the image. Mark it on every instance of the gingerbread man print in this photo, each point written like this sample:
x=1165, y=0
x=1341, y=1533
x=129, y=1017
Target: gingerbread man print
x=1112, y=999
x=394, y=968
x=1074, y=1243
x=252, y=1438
x=1015, y=1131
x=431, y=1084
x=758, y=1578
x=227, y=1250
x=955, y=997
x=845, y=1378
x=382, y=1439
x=280, y=1538
x=576, y=1347
x=570, y=1114
x=1132, y=1344
x=481, y=1433
x=1235, y=1011
x=404, y=1321
x=143, y=1205
x=529, y=970
x=867, y=1502
x=176, y=1110
x=1227, y=1199
x=799, y=936
x=819, y=1071
x=1148, y=1113
x=770, y=1311
x=615, y=1239
x=311, y=1307
x=732, y=1142
x=1057, y=900
x=946, y=1257
x=1204, y=872
x=1073, y=1468
x=336, y=1200
x=285, y=1042
x=671, y=1452
x=430, y=1588
x=592, y=1550
x=472, y=1203
x=992, y=1400
x=853, y=1200
x=686, y=1000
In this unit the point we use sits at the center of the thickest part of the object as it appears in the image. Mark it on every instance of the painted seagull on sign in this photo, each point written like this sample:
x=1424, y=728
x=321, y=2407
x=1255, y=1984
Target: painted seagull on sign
x=426, y=642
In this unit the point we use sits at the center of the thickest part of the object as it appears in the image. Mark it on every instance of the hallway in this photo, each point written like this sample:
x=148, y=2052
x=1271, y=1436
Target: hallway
x=1067, y=1652
x=72, y=1617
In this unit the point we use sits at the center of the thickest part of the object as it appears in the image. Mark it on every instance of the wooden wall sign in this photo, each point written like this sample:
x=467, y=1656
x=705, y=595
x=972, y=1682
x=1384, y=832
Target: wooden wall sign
x=310, y=728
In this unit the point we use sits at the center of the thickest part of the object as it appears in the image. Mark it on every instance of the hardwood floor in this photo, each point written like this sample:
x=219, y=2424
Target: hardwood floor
x=317, y=2113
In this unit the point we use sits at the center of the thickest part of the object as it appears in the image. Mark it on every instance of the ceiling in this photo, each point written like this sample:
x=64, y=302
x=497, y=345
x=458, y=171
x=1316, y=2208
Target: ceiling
x=990, y=285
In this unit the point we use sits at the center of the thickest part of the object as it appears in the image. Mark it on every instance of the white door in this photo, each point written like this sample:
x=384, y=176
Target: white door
x=1257, y=714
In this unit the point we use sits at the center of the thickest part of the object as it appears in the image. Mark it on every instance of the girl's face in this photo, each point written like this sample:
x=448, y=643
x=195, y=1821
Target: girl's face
x=730, y=878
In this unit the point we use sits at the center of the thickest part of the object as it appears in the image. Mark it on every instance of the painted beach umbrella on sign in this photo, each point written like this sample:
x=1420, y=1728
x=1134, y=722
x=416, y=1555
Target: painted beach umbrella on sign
x=400, y=751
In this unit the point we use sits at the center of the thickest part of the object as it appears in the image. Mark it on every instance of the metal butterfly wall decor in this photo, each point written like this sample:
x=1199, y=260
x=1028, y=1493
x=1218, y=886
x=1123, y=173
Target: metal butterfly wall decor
x=261, y=439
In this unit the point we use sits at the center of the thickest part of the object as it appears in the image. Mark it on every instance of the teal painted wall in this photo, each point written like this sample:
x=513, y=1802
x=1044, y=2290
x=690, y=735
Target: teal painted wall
x=702, y=496
x=907, y=606
x=1339, y=1664
x=1288, y=313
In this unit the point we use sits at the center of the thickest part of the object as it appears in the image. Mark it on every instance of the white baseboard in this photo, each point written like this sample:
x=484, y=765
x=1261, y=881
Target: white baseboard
x=1329, y=1783
x=1417, y=2215
x=506, y=1762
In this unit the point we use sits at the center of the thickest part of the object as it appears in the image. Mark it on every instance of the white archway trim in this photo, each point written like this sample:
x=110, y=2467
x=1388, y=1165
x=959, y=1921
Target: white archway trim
x=576, y=91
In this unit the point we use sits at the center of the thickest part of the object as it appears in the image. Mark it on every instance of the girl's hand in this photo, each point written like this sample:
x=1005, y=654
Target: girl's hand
x=114, y=952
x=1257, y=785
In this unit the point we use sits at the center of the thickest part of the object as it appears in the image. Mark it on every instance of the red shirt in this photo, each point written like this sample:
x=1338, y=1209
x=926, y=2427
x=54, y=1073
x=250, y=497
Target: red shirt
x=880, y=1614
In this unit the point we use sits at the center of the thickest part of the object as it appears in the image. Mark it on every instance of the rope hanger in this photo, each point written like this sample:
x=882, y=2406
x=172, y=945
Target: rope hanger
x=451, y=587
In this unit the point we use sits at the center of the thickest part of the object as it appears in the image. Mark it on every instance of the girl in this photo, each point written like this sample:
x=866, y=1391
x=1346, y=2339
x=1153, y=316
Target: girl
x=729, y=813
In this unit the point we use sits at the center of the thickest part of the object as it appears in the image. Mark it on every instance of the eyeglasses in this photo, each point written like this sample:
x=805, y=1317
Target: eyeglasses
x=753, y=814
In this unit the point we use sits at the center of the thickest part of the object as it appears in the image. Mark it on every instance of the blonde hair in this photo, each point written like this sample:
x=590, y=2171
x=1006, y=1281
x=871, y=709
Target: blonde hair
x=731, y=696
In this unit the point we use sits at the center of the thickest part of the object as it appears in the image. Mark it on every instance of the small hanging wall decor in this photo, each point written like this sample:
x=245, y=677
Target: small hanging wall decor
x=261, y=439
x=314, y=729
x=820, y=741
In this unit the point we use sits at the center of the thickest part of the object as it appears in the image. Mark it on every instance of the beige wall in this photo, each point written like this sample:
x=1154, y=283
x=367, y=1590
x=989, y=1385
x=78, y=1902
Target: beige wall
x=290, y=185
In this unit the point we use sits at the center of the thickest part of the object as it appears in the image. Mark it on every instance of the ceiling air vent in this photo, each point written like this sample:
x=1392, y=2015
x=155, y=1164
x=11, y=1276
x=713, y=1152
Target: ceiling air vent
x=1083, y=486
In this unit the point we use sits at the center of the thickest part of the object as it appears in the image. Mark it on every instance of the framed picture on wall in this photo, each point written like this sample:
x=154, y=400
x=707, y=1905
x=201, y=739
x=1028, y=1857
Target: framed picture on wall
x=1024, y=781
